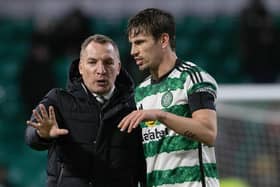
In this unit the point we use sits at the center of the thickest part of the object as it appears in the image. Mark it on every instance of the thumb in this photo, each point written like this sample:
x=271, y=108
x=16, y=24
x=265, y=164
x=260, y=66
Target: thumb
x=61, y=132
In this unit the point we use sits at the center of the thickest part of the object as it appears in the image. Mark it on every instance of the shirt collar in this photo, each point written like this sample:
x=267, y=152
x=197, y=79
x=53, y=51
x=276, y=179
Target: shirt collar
x=108, y=95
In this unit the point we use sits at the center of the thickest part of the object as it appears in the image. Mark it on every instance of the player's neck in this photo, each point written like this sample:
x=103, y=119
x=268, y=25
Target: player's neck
x=166, y=65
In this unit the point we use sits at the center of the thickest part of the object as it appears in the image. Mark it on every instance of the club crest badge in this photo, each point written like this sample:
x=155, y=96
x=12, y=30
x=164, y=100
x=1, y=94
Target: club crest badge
x=167, y=99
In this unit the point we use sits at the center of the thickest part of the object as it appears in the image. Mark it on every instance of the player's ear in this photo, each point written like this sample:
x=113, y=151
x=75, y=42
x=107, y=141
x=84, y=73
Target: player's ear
x=164, y=40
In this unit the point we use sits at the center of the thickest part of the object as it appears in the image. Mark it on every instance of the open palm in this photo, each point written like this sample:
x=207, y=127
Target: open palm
x=46, y=124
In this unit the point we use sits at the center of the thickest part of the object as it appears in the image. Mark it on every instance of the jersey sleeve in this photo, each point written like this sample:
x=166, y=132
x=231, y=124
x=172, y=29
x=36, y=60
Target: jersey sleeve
x=201, y=91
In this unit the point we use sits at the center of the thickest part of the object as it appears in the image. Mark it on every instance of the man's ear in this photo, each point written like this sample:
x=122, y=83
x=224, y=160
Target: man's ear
x=164, y=40
x=119, y=67
x=80, y=67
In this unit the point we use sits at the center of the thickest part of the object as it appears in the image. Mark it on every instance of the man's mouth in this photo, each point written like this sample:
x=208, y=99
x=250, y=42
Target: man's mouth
x=139, y=61
x=101, y=82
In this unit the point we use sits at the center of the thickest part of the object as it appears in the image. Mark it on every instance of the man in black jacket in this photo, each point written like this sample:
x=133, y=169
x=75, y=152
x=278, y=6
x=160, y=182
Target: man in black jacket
x=78, y=126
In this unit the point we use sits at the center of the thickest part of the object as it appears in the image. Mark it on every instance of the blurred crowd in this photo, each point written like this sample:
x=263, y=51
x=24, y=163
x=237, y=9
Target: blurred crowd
x=259, y=43
x=258, y=49
x=48, y=43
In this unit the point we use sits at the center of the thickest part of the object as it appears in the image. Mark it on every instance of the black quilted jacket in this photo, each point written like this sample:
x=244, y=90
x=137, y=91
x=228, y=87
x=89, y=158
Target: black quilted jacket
x=94, y=153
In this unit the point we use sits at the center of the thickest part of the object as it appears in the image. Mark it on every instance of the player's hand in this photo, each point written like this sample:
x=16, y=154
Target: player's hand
x=133, y=119
x=46, y=124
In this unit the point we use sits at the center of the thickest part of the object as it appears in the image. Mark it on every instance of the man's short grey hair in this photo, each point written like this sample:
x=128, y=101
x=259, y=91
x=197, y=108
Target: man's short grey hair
x=101, y=39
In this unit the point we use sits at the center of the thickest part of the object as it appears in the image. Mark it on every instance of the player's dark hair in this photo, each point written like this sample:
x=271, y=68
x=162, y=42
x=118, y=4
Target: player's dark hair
x=155, y=22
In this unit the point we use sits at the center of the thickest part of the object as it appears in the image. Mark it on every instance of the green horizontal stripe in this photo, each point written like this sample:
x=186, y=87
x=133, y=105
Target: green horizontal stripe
x=180, y=175
x=169, y=84
x=180, y=110
x=169, y=144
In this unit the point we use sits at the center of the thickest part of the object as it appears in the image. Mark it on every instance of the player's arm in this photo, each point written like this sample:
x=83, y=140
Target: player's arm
x=202, y=126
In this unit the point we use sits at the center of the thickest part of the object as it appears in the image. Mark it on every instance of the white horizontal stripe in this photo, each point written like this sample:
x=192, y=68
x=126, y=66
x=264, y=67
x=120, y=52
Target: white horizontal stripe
x=165, y=161
x=154, y=101
x=249, y=92
x=208, y=154
x=210, y=182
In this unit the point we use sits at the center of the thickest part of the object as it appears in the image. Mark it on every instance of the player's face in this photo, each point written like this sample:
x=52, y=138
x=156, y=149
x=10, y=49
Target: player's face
x=146, y=51
x=99, y=67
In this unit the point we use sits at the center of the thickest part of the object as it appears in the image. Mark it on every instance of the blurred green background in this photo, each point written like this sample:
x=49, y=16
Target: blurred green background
x=212, y=42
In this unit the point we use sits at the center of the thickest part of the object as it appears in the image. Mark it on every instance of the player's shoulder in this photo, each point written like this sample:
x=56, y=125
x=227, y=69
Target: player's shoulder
x=188, y=66
x=195, y=72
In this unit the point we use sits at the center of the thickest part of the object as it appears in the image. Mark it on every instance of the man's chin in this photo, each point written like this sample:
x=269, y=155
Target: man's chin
x=102, y=91
x=142, y=68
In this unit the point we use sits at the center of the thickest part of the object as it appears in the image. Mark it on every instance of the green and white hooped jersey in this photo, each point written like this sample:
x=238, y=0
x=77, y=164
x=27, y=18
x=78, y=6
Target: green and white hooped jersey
x=174, y=160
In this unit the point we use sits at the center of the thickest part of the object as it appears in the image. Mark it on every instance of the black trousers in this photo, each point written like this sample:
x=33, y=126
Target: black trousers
x=82, y=182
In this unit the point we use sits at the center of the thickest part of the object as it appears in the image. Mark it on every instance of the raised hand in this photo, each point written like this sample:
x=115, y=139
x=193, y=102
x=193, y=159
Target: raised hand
x=46, y=124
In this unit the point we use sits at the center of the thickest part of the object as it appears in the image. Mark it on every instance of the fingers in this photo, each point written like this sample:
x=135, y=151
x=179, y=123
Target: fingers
x=40, y=117
x=37, y=116
x=45, y=123
x=123, y=124
x=43, y=115
x=33, y=124
x=131, y=121
x=43, y=111
x=52, y=113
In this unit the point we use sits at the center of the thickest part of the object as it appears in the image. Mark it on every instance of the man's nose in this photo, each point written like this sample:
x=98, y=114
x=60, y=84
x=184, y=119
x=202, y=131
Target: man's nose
x=133, y=50
x=100, y=68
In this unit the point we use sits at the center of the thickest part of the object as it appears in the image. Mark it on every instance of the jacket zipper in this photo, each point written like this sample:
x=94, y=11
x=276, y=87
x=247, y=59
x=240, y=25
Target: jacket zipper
x=60, y=174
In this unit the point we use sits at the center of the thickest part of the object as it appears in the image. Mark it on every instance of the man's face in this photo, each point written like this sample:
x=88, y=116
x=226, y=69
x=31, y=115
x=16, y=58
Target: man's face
x=99, y=67
x=146, y=51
